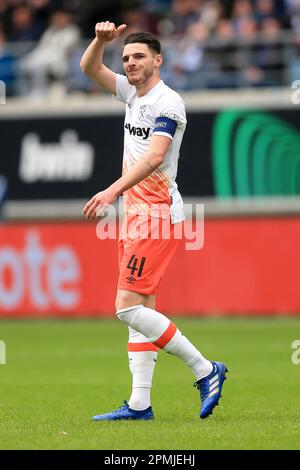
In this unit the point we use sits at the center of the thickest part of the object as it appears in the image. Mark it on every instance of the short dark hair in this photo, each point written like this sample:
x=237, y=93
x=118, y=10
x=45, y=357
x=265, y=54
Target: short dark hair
x=150, y=39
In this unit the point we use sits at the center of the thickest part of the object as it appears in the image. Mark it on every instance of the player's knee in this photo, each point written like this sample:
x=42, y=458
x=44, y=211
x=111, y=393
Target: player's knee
x=128, y=299
x=128, y=307
x=122, y=300
x=131, y=316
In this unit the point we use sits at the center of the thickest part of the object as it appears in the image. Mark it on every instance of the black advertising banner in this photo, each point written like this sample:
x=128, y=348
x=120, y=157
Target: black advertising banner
x=195, y=175
x=72, y=158
x=234, y=152
x=60, y=158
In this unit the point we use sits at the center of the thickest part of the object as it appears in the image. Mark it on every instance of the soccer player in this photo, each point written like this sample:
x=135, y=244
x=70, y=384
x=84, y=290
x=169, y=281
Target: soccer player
x=154, y=126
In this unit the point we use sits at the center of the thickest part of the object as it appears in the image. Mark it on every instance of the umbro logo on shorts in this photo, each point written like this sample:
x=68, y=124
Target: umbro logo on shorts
x=131, y=279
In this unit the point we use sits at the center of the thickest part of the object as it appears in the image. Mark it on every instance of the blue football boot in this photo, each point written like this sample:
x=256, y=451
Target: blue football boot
x=210, y=388
x=124, y=412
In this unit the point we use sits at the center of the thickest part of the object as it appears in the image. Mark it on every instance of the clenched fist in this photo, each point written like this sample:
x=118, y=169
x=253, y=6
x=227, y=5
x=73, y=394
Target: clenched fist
x=107, y=31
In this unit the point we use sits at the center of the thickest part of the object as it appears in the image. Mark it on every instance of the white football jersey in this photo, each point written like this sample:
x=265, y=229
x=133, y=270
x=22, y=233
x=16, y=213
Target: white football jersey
x=161, y=112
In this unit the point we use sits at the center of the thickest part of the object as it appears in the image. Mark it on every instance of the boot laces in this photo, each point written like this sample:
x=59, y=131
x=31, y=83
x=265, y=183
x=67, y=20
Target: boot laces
x=122, y=407
x=203, y=386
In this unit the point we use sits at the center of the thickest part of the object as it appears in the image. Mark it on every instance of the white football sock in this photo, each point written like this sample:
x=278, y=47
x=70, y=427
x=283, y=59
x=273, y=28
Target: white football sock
x=160, y=331
x=142, y=356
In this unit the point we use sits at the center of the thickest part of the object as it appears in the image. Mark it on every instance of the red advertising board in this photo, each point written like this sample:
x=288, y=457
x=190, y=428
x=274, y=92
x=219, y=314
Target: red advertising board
x=246, y=266
x=56, y=268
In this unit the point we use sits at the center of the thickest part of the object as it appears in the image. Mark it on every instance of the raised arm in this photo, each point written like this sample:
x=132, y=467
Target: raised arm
x=92, y=60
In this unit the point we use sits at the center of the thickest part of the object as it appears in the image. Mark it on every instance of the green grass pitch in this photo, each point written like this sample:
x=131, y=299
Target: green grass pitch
x=59, y=373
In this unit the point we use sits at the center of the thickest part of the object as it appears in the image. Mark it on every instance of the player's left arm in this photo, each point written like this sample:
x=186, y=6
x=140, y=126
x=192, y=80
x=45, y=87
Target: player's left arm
x=151, y=160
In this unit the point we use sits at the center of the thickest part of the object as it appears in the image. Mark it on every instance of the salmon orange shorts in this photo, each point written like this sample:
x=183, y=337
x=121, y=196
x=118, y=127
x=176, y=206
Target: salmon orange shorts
x=146, y=246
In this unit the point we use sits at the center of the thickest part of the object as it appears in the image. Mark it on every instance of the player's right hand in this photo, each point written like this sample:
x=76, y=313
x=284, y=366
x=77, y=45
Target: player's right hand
x=107, y=31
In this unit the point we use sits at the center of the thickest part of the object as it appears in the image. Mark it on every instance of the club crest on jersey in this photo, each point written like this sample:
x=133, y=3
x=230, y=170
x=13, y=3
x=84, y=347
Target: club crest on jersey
x=138, y=131
x=142, y=112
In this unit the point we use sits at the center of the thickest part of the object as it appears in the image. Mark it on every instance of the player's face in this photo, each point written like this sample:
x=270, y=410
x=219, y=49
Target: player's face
x=139, y=63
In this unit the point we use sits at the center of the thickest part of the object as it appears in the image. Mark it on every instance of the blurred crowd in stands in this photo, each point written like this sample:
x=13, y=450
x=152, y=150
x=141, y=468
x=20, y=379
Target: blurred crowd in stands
x=206, y=43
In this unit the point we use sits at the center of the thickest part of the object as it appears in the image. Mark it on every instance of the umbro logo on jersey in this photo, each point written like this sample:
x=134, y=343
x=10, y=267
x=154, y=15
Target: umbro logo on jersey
x=138, y=131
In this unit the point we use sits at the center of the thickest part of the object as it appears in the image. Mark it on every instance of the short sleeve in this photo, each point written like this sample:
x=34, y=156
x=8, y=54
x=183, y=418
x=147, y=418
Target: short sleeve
x=169, y=114
x=123, y=88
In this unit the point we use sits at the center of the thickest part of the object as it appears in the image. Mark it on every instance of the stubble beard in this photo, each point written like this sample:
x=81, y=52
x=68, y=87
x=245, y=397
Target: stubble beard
x=146, y=75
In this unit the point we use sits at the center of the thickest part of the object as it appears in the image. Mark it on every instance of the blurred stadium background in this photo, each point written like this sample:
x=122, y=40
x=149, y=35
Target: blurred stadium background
x=236, y=64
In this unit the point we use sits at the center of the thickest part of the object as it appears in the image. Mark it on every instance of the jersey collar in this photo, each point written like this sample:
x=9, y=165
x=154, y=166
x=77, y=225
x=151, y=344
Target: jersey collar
x=153, y=89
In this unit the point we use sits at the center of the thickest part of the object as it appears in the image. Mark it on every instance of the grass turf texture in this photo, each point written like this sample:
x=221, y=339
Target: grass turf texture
x=60, y=373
